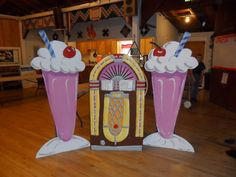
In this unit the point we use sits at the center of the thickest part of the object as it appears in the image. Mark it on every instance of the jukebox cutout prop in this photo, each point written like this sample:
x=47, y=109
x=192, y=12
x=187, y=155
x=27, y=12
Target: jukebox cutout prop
x=117, y=97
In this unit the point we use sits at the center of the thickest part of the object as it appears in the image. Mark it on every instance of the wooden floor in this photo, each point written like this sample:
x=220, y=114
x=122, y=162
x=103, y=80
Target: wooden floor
x=27, y=124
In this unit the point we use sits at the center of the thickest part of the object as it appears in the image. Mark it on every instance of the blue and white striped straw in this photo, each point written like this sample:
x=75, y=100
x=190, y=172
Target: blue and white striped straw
x=182, y=43
x=45, y=39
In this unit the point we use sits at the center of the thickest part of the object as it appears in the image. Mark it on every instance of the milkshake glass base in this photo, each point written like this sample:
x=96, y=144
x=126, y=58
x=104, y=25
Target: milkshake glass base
x=56, y=145
x=175, y=142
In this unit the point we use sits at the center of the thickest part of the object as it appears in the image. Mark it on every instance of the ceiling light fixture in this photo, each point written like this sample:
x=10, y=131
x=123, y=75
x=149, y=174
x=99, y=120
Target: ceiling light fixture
x=187, y=19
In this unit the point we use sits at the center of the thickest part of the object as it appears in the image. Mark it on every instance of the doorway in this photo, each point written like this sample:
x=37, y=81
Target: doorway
x=197, y=47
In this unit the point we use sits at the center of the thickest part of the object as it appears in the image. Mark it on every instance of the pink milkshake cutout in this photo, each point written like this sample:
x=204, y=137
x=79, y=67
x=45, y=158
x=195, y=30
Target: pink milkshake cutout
x=60, y=65
x=169, y=65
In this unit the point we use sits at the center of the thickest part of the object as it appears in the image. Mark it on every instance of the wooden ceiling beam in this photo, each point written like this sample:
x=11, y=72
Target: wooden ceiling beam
x=15, y=7
x=21, y=6
x=148, y=8
x=75, y=2
x=26, y=7
x=2, y=2
x=33, y=5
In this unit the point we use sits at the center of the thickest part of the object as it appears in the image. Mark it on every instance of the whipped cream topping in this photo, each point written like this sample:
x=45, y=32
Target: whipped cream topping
x=169, y=63
x=66, y=61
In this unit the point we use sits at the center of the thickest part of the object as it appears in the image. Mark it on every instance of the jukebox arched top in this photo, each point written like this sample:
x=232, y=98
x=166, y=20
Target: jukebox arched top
x=117, y=71
x=124, y=60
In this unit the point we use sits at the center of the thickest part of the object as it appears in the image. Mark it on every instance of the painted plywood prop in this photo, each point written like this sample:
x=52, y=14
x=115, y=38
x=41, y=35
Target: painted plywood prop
x=37, y=23
x=105, y=11
x=117, y=96
x=169, y=65
x=60, y=65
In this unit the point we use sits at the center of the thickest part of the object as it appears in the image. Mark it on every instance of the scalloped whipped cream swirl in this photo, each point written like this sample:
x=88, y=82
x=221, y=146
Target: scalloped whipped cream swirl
x=165, y=61
x=67, y=60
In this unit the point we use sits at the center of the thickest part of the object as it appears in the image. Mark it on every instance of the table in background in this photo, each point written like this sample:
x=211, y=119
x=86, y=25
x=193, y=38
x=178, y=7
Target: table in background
x=9, y=95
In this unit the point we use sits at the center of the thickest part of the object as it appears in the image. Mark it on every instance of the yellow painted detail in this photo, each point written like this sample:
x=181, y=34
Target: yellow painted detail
x=125, y=118
x=99, y=66
x=140, y=102
x=134, y=65
x=140, y=96
x=94, y=112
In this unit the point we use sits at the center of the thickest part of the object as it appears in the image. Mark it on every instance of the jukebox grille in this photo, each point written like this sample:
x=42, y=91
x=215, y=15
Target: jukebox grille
x=117, y=71
x=115, y=117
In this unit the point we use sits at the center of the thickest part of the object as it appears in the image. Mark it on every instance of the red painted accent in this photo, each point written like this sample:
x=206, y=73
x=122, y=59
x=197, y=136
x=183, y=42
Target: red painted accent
x=224, y=68
x=69, y=52
x=126, y=46
x=115, y=126
x=141, y=87
x=93, y=86
x=118, y=56
x=224, y=38
x=140, y=82
x=159, y=52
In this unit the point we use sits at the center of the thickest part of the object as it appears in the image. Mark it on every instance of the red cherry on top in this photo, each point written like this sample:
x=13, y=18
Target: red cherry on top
x=69, y=52
x=159, y=52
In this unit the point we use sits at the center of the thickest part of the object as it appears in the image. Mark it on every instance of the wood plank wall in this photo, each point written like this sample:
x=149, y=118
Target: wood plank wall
x=9, y=33
x=109, y=46
x=103, y=47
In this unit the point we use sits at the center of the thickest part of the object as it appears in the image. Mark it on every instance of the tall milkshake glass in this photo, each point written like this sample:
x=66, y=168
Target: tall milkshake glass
x=62, y=96
x=167, y=95
x=60, y=65
x=169, y=65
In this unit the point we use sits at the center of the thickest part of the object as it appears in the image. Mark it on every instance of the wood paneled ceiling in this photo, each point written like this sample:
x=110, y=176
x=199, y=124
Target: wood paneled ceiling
x=28, y=7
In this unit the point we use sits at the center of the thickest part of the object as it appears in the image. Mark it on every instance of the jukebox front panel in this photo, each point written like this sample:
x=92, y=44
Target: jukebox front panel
x=116, y=117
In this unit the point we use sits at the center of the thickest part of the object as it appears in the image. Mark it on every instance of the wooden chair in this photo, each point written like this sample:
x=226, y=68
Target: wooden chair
x=40, y=83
